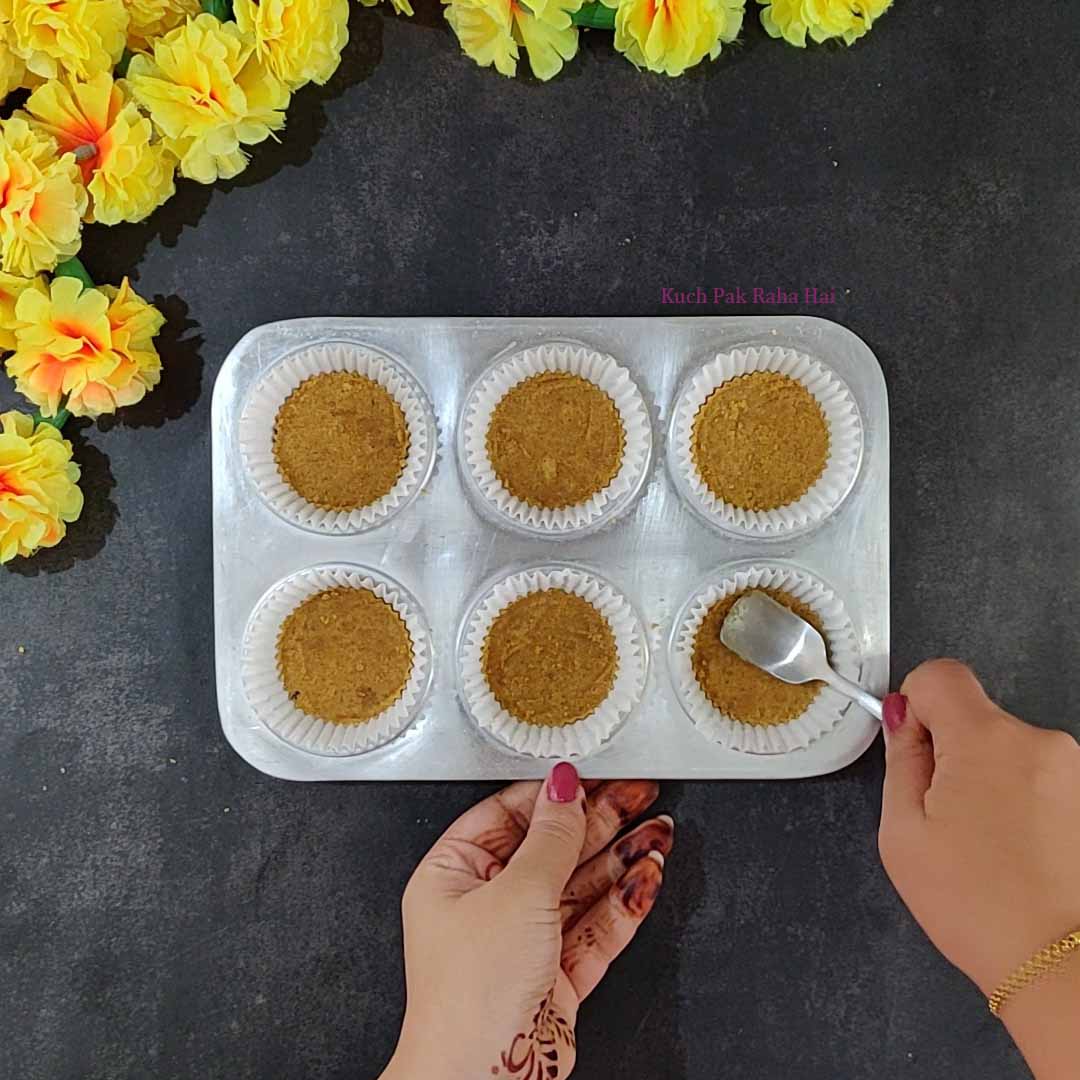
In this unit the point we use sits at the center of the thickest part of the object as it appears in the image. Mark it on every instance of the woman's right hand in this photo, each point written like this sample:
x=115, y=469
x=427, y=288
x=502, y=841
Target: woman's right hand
x=980, y=834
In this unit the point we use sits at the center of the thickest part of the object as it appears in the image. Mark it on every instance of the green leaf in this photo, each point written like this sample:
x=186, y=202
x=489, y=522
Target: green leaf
x=74, y=268
x=221, y=9
x=595, y=16
x=122, y=64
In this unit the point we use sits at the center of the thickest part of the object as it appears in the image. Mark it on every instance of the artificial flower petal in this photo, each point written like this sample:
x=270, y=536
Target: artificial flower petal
x=823, y=20
x=209, y=95
x=11, y=288
x=484, y=29
x=402, y=7
x=12, y=67
x=56, y=37
x=127, y=173
x=150, y=19
x=492, y=32
x=547, y=43
x=43, y=201
x=557, y=13
x=670, y=36
x=133, y=324
x=299, y=41
x=39, y=492
x=90, y=351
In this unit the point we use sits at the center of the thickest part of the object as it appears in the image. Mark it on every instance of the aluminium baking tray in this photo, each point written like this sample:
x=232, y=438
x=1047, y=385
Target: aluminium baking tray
x=443, y=549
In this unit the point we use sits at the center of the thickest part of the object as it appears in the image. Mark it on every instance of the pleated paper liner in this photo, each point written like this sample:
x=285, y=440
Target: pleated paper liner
x=262, y=682
x=824, y=711
x=595, y=512
x=587, y=735
x=841, y=467
x=269, y=394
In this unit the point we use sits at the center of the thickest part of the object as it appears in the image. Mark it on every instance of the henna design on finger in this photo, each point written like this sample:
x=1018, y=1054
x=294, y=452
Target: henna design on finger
x=635, y=893
x=500, y=841
x=655, y=835
x=463, y=861
x=504, y=838
x=627, y=800
x=640, y=885
x=595, y=876
x=534, y=1055
x=575, y=951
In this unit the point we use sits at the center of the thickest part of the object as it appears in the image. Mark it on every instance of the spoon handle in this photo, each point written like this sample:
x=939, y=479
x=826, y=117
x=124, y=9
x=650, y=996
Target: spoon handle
x=855, y=692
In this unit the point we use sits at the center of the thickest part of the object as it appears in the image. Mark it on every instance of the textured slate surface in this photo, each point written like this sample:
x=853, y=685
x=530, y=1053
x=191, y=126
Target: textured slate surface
x=167, y=911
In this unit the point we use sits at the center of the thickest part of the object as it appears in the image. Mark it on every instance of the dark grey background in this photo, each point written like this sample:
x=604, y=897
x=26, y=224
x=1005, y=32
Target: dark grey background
x=166, y=910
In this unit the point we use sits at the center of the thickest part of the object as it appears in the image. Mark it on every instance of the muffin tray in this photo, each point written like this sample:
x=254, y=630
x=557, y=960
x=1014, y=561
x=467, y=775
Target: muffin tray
x=447, y=547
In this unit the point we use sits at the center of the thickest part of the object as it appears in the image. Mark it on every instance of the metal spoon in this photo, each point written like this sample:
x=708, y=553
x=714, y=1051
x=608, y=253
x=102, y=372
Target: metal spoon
x=769, y=636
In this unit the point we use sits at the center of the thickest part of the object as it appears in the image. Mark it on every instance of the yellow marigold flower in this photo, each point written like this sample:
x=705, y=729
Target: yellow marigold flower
x=402, y=7
x=43, y=202
x=669, y=36
x=39, y=492
x=821, y=19
x=491, y=32
x=92, y=347
x=152, y=18
x=300, y=41
x=127, y=173
x=11, y=288
x=208, y=94
x=80, y=37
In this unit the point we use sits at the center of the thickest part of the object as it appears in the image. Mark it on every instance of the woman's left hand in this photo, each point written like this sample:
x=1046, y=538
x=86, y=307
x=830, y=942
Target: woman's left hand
x=513, y=918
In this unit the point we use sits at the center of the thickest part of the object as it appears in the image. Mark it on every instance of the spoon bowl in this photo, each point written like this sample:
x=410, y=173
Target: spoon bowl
x=775, y=639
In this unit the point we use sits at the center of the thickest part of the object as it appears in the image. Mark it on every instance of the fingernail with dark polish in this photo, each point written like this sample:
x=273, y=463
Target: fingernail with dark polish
x=562, y=783
x=893, y=712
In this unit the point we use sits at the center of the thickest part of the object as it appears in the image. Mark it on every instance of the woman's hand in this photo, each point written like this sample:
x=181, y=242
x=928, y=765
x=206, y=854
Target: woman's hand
x=980, y=834
x=513, y=918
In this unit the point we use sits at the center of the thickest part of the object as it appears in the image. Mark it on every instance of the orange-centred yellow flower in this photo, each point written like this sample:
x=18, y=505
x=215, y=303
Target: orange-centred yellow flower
x=150, y=19
x=90, y=351
x=77, y=37
x=669, y=36
x=491, y=32
x=300, y=41
x=39, y=490
x=42, y=202
x=126, y=171
x=792, y=20
x=209, y=95
x=11, y=288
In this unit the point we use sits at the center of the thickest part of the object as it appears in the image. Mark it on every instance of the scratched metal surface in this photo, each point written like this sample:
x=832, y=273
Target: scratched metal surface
x=442, y=549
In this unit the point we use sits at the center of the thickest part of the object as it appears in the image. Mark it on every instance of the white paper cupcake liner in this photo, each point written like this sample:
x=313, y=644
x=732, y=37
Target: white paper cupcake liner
x=841, y=466
x=602, y=371
x=269, y=394
x=584, y=736
x=824, y=711
x=262, y=682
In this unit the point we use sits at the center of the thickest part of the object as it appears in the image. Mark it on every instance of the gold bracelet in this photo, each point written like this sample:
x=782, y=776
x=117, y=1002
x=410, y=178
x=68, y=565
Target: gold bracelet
x=1044, y=961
